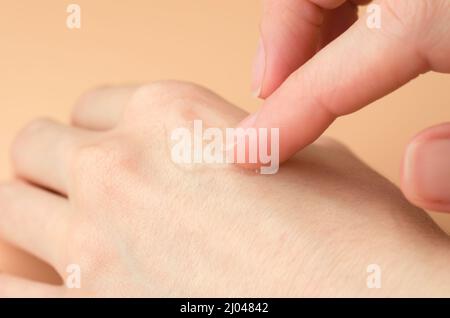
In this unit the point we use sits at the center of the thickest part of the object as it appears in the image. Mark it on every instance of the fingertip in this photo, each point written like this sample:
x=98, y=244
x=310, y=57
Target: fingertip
x=425, y=178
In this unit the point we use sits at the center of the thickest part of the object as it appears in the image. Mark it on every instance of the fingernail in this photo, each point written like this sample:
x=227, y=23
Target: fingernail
x=427, y=168
x=248, y=121
x=259, y=66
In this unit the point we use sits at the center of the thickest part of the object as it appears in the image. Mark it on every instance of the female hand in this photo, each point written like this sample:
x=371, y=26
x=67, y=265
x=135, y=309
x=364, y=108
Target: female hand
x=134, y=223
x=315, y=63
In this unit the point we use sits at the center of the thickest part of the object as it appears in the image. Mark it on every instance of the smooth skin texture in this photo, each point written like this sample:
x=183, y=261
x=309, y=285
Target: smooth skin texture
x=138, y=224
x=318, y=62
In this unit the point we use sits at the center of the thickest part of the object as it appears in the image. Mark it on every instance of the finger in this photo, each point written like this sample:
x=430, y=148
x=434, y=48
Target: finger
x=101, y=109
x=14, y=287
x=34, y=220
x=41, y=153
x=290, y=31
x=340, y=80
x=426, y=169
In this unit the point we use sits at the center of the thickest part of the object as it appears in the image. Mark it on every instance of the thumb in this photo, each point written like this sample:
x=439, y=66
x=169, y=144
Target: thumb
x=290, y=32
x=426, y=169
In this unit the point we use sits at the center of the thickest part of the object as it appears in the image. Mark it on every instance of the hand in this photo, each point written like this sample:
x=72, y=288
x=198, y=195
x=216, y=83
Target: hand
x=138, y=224
x=315, y=64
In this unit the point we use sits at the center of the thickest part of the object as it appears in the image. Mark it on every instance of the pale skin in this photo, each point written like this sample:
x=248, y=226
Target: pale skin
x=138, y=224
x=317, y=61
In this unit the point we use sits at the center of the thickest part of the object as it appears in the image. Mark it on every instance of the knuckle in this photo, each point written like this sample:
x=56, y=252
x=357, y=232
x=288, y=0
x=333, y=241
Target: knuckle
x=168, y=88
x=31, y=130
x=98, y=170
x=82, y=102
x=102, y=154
x=91, y=94
x=34, y=127
x=149, y=98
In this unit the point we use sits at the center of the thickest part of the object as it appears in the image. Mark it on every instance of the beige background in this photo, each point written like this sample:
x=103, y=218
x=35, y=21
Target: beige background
x=44, y=67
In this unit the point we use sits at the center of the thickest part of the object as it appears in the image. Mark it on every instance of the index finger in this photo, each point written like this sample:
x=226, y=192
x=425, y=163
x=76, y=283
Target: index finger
x=341, y=79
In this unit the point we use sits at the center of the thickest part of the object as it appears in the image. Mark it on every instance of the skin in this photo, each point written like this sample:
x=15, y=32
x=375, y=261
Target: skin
x=138, y=224
x=317, y=61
